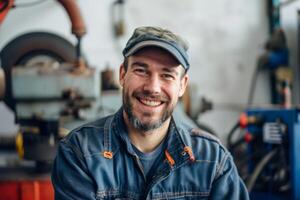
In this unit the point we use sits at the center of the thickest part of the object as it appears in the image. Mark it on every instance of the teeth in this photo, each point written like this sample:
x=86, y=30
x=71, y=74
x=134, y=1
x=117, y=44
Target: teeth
x=150, y=102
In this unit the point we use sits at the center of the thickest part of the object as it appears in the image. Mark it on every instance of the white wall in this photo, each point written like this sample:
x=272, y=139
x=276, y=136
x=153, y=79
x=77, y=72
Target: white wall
x=225, y=37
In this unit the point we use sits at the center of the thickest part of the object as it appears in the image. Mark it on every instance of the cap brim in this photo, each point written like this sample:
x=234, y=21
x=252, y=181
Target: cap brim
x=168, y=47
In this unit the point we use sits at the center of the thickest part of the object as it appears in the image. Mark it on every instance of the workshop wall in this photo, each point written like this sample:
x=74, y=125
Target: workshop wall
x=225, y=37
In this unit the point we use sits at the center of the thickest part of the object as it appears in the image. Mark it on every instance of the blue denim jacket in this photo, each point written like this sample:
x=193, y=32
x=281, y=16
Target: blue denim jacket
x=95, y=162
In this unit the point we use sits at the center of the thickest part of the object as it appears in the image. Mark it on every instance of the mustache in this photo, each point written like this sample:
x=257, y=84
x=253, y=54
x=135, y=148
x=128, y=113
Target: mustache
x=150, y=95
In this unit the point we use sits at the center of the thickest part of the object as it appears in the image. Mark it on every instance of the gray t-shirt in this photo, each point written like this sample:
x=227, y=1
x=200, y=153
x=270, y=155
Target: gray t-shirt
x=149, y=160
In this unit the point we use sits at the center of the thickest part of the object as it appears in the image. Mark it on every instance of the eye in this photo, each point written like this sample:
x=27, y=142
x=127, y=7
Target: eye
x=140, y=71
x=168, y=77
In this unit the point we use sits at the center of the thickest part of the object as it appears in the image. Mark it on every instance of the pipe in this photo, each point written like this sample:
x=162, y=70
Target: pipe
x=78, y=26
x=5, y=6
x=78, y=29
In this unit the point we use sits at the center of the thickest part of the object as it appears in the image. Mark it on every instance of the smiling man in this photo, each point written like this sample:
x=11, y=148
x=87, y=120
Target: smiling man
x=141, y=152
x=152, y=81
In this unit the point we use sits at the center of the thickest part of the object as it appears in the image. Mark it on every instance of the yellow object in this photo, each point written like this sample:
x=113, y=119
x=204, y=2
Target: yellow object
x=284, y=74
x=19, y=145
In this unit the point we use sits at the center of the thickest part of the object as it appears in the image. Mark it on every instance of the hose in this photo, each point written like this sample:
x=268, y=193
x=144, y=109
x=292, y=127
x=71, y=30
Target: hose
x=258, y=169
x=231, y=133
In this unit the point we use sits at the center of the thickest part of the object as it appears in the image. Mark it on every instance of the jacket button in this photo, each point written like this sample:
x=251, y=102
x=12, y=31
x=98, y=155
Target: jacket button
x=183, y=153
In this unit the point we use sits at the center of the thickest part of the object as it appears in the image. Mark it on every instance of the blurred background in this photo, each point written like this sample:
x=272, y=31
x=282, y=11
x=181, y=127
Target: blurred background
x=59, y=69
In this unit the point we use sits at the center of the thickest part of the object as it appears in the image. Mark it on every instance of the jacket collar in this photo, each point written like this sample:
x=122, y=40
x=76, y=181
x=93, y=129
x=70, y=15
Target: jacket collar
x=177, y=139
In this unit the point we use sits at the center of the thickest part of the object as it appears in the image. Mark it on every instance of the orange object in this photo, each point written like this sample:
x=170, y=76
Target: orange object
x=78, y=25
x=169, y=158
x=190, y=152
x=5, y=6
x=26, y=190
x=108, y=154
x=243, y=120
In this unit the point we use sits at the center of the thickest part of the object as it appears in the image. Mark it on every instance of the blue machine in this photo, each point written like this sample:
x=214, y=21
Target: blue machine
x=273, y=151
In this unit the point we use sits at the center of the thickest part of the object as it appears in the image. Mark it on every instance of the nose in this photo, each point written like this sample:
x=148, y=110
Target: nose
x=153, y=85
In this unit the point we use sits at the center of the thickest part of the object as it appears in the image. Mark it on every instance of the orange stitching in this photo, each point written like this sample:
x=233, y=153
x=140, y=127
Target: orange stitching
x=108, y=154
x=190, y=152
x=169, y=158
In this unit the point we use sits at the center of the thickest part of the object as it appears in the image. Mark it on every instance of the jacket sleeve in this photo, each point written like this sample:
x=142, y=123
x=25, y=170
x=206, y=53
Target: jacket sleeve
x=228, y=184
x=70, y=177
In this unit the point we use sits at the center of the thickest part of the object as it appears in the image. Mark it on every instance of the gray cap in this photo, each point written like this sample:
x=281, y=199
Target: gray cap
x=156, y=36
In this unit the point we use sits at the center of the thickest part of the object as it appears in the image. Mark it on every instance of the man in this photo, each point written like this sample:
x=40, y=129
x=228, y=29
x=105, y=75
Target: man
x=141, y=152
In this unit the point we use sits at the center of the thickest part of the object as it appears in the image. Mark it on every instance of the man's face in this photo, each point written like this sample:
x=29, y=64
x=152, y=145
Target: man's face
x=152, y=84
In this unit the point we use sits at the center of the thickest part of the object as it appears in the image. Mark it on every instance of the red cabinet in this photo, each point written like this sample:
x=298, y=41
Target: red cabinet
x=26, y=190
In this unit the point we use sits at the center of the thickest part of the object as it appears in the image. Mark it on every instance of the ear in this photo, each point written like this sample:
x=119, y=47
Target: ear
x=183, y=84
x=122, y=73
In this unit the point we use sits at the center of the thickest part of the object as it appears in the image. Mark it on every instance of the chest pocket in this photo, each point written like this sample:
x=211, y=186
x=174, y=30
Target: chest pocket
x=188, y=182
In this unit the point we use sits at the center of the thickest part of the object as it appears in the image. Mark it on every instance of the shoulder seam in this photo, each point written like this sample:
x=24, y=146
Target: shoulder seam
x=87, y=126
x=203, y=134
x=208, y=136
x=73, y=148
x=221, y=165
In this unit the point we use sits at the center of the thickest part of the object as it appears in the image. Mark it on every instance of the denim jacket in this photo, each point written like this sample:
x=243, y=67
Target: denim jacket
x=95, y=162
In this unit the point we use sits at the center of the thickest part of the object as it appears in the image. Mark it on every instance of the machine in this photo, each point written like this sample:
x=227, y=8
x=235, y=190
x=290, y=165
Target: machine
x=51, y=89
x=266, y=153
x=31, y=63
x=266, y=146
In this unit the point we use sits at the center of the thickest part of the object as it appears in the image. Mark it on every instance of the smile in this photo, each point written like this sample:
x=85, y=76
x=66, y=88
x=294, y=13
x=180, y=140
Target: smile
x=150, y=102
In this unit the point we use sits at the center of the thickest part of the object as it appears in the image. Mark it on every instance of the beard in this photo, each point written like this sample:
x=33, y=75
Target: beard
x=135, y=121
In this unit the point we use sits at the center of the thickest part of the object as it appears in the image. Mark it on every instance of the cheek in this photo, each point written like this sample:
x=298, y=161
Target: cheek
x=174, y=93
x=130, y=84
x=126, y=88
